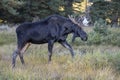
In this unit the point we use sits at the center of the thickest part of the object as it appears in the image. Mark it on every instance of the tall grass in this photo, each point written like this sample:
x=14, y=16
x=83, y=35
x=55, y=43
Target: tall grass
x=102, y=63
x=7, y=37
x=91, y=62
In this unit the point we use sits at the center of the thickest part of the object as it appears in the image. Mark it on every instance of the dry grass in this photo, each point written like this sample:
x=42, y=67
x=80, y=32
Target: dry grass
x=90, y=63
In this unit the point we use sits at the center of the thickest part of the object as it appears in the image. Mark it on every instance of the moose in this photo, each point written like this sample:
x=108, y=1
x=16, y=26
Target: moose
x=54, y=28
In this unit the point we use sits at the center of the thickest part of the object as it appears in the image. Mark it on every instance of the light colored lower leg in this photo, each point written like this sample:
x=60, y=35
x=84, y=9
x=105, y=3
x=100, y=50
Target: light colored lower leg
x=25, y=48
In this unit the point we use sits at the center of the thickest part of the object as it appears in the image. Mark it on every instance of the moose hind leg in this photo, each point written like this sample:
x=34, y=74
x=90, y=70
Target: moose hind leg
x=18, y=52
x=22, y=51
x=21, y=58
x=14, y=56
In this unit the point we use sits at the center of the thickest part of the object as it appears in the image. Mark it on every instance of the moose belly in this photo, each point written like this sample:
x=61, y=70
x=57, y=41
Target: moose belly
x=38, y=41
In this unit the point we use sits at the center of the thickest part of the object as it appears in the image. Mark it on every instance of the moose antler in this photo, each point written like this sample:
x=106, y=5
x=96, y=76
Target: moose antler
x=73, y=19
x=80, y=20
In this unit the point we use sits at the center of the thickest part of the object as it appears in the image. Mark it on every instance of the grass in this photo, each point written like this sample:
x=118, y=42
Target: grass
x=95, y=65
x=93, y=62
x=7, y=37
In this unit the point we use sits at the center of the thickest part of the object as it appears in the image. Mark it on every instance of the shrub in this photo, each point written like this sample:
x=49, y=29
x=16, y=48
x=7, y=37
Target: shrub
x=102, y=34
x=100, y=30
x=100, y=27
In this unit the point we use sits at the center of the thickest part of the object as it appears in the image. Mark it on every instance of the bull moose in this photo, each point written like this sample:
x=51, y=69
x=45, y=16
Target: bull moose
x=54, y=28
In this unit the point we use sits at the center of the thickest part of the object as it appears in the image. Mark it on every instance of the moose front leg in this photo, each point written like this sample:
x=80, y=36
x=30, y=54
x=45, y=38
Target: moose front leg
x=66, y=45
x=50, y=47
x=74, y=36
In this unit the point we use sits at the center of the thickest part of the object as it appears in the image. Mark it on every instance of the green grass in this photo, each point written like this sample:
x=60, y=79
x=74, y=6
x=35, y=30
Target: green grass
x=7, y=37
x=91, y=62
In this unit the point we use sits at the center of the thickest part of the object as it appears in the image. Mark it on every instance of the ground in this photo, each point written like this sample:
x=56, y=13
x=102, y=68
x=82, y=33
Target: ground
x=91, y=62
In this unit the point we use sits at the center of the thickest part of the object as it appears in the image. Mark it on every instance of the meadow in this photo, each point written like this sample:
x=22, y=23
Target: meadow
x=96, y=59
